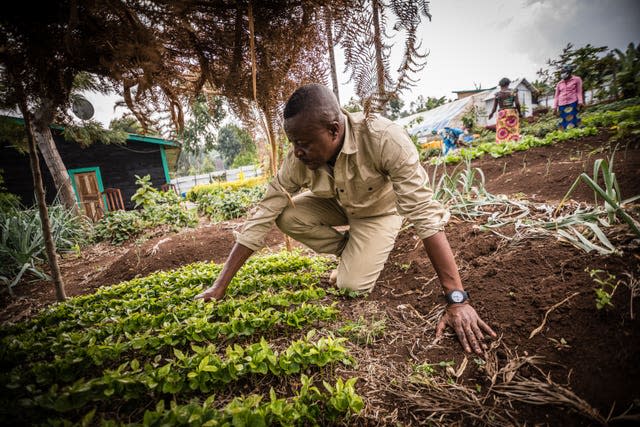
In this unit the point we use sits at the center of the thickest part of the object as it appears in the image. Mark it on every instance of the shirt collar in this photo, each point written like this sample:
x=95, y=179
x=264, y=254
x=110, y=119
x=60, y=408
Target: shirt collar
x=349, y=145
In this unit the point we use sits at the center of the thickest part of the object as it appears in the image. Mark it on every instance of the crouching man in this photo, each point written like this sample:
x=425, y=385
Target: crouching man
x=364, y=173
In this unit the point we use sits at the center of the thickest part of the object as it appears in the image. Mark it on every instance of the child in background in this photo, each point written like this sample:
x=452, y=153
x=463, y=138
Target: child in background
x=450, y=138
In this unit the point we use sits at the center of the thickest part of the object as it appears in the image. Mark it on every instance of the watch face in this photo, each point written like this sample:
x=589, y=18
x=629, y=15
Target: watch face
x=456, y=296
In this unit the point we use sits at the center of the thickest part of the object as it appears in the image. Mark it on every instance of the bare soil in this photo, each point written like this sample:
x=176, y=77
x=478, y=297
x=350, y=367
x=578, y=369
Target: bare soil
x=591, y=353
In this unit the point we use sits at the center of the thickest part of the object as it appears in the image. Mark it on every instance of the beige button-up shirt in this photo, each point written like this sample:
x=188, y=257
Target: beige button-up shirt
x=377, y=172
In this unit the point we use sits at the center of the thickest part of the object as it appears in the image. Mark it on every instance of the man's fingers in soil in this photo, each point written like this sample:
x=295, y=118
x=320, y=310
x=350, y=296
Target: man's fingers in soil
x=487, y=328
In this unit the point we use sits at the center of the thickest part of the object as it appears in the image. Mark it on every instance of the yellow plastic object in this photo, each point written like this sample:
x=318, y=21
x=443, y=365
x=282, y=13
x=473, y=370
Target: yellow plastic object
x=435, y=144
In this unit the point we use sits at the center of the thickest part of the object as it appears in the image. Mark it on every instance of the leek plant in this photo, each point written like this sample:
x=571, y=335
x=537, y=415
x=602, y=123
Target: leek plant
x=465, y=195
x=610, y=193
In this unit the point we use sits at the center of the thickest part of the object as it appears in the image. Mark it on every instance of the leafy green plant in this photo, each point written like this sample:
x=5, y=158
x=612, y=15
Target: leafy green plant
x=147, y=341
x=119, y=226
x=158, y=208
x=506, y=148
x=545, y=124
x=174, y=215
x=22, y=243
x=229, y=204
x=606, y=288
x=145, y=195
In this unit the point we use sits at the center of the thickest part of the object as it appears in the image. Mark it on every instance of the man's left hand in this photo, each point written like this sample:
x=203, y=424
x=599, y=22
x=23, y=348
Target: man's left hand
x=468, y=326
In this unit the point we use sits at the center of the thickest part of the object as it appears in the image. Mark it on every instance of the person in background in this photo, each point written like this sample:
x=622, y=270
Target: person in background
x=450, y=137
x=509, y=113
x=568, y=100
x=364, y=173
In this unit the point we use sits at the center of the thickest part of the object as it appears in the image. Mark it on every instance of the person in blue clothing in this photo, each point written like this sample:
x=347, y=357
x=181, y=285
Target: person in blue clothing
x=450, y=137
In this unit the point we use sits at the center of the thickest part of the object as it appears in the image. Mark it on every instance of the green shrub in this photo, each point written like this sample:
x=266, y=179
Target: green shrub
x=119, y=226
x=22, y=243
x=174, y=215
x=158, y=208
x=217, y=187
x=614, y=106
x=228, y=203
x=146, y=195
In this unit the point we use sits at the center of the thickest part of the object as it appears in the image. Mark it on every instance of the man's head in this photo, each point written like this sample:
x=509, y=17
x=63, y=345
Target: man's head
x=314, y=124
x=504, y=82
x=566, y=72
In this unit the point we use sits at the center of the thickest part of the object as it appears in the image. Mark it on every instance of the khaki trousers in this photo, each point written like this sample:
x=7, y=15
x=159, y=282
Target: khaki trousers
x=363, y=249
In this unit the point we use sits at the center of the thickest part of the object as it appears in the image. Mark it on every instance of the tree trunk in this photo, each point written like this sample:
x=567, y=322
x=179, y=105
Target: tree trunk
x=50, y=244
x=328, y=22
x=41, y=133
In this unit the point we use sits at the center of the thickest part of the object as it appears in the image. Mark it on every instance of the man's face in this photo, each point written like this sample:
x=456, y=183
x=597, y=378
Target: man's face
x=313, y=144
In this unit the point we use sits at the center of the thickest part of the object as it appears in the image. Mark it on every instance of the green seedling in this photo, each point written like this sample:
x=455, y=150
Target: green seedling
x=607, y=288
x=404, y=267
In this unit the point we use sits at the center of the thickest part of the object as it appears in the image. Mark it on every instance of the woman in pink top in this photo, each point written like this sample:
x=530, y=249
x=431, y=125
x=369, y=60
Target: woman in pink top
x=568, y=99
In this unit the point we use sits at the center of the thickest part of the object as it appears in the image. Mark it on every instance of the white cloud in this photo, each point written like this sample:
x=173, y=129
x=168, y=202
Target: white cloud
x=477, y=42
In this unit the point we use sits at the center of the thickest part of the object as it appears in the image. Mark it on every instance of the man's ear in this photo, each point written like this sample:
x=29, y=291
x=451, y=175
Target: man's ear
x=334, y=128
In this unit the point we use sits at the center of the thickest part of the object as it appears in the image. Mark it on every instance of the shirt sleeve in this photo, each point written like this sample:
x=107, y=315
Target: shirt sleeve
x=410, y=182
x=275, y=200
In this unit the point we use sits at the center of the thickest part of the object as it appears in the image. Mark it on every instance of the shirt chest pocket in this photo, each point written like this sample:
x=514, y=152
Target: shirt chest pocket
x=369, y=185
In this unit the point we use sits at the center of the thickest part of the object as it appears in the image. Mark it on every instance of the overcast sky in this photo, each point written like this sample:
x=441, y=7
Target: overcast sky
x=476, y=42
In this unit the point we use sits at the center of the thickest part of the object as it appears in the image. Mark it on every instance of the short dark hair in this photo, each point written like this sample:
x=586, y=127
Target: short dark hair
x=316, y=97
x=504, y=82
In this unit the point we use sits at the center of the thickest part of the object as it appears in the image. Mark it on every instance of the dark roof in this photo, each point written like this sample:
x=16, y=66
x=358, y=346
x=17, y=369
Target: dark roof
x=131, y=137
x=473, y=90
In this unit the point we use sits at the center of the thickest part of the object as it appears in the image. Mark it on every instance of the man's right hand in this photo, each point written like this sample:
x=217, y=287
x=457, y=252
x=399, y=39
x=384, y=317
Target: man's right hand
x=239, y=254
x=215, y=292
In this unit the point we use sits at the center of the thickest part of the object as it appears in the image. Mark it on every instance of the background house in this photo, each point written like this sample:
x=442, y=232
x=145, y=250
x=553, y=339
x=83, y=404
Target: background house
x=93, y=169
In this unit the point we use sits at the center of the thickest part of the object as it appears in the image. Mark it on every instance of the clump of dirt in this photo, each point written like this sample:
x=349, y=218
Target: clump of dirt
x=516, y=285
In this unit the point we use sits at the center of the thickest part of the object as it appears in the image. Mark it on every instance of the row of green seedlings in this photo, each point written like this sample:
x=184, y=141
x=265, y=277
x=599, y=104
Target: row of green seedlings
x=310, y=405
x=167, y=338
x=509, y=147
x=625, y=122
